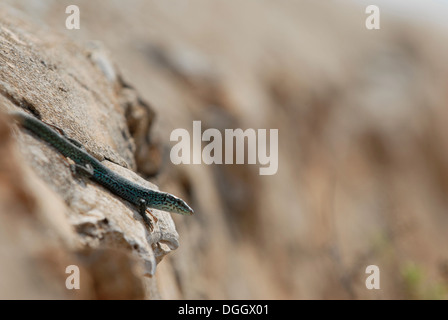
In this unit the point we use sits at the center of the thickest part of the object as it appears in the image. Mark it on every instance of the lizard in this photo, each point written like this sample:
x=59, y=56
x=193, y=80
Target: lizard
x=89, y=166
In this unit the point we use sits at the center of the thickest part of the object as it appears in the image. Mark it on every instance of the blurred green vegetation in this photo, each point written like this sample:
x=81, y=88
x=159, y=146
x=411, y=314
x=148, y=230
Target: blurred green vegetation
x=418, y=286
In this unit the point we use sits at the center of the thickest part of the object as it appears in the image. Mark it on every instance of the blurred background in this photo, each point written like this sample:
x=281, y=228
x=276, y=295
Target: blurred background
x=363, y=144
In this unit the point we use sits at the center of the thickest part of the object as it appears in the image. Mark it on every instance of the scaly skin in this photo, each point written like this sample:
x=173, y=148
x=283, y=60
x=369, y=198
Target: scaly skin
x=126, y=189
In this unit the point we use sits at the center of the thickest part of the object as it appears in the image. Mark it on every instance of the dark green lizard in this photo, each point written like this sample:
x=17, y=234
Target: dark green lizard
x=88, y=165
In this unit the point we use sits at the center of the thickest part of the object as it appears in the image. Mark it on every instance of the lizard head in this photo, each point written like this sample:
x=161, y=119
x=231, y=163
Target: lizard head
x=168, y=202
x=179, y=206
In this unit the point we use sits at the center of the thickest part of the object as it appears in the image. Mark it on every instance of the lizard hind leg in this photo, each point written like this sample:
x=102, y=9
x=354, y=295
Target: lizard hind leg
x=81, y=171
x=85, y=170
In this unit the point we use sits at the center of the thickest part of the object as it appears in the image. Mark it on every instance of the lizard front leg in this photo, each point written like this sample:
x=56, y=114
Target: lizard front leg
x=142, y=211
x=64, y=134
